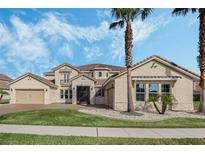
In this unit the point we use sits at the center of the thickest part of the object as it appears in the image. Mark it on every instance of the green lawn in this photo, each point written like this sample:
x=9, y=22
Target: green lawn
x=196, y=105
x=68, y=117
x=6, y=139
x=4, y=101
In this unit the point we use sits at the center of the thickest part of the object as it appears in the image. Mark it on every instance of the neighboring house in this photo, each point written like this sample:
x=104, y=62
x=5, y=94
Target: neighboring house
x=106, y=84
x=4, y=84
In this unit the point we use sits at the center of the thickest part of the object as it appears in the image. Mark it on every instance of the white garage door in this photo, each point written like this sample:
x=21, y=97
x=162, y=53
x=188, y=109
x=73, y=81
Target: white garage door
x=30, y=96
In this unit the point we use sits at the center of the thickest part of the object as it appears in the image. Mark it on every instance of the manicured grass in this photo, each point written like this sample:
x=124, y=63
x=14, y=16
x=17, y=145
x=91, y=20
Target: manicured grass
x=6, y=139
x=4, y=101
x=196, y=105
x=68, y=117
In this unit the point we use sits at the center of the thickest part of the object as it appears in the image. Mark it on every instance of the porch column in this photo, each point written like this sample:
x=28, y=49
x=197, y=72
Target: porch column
x=74, y=95
x=146, y=92
x=159, y=88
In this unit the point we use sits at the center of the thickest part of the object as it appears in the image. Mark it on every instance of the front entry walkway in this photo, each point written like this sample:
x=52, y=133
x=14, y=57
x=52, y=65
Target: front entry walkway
x=105, y=132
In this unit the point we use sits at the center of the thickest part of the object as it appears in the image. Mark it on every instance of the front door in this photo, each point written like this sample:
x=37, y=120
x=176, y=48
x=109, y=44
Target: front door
x=83, y=94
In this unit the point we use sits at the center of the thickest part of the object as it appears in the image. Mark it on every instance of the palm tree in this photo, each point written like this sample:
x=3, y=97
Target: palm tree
x=201, y=57
x=125, y=16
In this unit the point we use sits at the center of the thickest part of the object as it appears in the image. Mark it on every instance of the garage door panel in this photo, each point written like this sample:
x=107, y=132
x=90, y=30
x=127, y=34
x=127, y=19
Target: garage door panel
x=27, y=96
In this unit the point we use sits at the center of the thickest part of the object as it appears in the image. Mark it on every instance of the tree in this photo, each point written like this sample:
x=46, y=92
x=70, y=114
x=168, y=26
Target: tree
x=125, y=16
x=201, y=43
x=164, y=99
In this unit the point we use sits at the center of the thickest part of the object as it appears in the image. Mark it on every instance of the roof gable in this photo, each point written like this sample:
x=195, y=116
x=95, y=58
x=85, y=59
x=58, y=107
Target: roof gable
x=65, y=64
x=38, y=78
x=89, y=67
x=78, y=76
x=163, y=61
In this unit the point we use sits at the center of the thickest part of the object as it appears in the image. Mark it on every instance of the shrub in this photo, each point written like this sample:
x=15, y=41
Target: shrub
x=164, y=99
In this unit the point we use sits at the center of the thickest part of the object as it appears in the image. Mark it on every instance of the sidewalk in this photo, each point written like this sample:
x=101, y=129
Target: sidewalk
x=105, y=132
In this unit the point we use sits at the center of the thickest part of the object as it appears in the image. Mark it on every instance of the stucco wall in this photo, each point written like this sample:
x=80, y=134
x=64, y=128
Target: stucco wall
x=60, y=76
x=182, y=88
x=109, y=94
x=29, y=83
x=104, y=74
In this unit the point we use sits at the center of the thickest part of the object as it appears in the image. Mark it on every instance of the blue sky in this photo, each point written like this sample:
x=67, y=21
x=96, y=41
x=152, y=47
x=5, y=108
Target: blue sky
x=36, y=40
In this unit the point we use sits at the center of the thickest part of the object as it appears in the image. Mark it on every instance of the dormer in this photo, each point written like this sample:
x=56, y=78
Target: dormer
x=63, y=73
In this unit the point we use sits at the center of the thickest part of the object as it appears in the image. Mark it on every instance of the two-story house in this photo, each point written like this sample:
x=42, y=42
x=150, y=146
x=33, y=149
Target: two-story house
x=64, y=84
x=106, y=84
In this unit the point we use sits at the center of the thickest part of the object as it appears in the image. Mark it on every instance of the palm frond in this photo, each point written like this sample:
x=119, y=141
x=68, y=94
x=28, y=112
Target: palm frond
x=183, y=11
x=116, y=24
x=145, y=13
x=117, y=13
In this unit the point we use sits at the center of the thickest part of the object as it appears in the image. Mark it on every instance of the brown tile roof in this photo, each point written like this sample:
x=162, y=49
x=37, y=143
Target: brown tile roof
x=89, y=67
x=49, y=73
x=156, y=77
x=4, y=81
x=100, y=81
x=5, y=77
x=41, y=79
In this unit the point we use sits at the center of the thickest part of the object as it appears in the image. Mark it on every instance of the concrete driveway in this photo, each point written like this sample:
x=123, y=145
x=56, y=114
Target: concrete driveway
x=9, y=108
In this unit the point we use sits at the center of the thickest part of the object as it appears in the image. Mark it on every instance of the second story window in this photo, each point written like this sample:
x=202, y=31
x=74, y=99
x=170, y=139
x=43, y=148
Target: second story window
x=100, y=74
x=66, y=77
x=107, y=74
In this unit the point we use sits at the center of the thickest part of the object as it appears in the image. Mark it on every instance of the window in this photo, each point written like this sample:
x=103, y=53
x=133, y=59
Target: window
x=99, y=92
x=66, y=77
x=153, y=89
x=165, y=88
x=100, y=74
x=61, y=94
x=140, y=92
x=66, y=94
x=107, y=74
x=71, y=94
x=92, y=74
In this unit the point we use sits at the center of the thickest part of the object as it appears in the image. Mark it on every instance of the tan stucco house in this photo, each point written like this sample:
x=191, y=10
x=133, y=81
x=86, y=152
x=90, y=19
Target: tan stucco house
x=106, y=84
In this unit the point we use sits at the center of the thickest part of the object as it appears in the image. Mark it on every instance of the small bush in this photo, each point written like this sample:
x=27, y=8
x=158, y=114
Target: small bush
x=164, y=99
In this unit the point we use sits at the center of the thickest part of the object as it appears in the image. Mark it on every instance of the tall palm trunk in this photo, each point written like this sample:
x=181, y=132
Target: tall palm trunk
x=201, y=57
x=128, y=61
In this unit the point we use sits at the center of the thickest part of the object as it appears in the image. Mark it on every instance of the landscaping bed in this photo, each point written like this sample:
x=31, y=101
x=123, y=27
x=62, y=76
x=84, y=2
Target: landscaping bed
x=141, y=115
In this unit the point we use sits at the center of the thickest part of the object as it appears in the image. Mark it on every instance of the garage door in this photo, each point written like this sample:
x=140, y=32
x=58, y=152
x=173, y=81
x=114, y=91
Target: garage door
x=27, y=96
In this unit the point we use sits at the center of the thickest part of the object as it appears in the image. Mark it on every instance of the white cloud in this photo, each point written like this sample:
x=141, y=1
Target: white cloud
x=141, y=31
x=2, y=64
x=66, y=51
x=102, y=13
x=92, y=53
x=35, y=47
